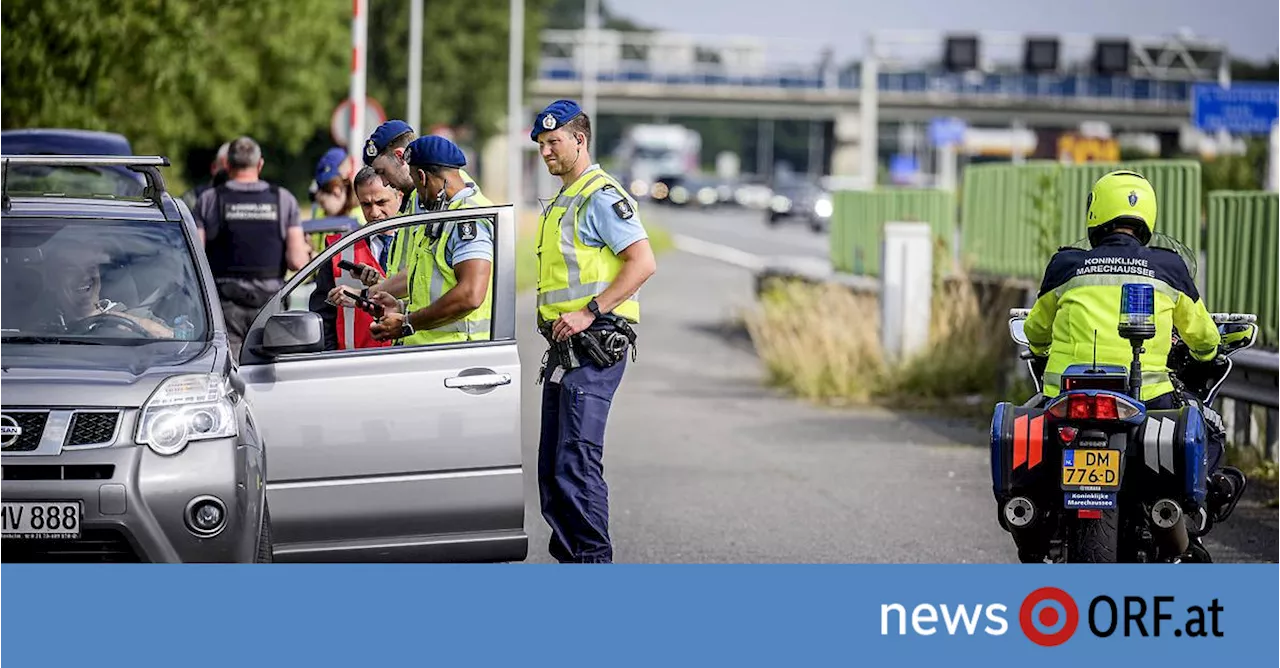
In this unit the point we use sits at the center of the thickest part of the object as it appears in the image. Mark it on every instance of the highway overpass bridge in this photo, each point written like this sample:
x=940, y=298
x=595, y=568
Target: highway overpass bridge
x=992, y=100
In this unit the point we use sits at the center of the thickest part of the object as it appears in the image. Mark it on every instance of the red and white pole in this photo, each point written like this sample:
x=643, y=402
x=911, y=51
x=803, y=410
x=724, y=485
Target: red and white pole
x=359, y=54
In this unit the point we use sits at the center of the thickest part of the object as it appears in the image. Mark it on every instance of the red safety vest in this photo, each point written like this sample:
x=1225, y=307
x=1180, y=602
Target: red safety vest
x=353, y=323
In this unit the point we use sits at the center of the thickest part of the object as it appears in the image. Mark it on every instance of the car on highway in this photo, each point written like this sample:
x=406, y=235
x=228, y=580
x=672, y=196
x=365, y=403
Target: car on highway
x=401, y=453
x=801, y=200
x=125, y=432
x=700, y=191
x=752, y=192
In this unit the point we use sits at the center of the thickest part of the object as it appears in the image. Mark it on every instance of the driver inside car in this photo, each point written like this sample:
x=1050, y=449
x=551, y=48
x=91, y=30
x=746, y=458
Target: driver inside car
x=78, y=298
x=1078, y=305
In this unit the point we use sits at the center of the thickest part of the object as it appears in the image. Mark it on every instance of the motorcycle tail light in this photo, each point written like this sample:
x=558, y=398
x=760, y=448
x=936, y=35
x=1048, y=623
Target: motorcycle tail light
x=1104, y=408
x=1067, y=434
x=1096, y=407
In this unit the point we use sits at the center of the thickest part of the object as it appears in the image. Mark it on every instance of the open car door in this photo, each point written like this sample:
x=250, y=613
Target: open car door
x=398, y=453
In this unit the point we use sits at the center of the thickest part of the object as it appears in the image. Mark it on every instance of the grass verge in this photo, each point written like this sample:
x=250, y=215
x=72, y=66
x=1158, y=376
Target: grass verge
x=822, y=342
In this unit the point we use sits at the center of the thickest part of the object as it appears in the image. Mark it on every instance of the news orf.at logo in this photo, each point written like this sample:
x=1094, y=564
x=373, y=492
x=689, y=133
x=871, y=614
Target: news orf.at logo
x=1049, y=617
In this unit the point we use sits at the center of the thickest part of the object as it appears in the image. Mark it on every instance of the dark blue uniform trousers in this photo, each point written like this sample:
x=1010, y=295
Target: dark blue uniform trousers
x=575, y=498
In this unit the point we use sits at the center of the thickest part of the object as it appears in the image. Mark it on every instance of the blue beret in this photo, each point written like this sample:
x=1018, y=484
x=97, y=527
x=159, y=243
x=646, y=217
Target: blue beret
x=330, y=165
x=434, y=150
x=555, y=115
x=381, y=137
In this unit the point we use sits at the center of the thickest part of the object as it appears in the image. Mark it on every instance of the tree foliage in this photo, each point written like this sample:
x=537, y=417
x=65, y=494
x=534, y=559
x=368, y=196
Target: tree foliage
x=173, y=75
x=464, y=61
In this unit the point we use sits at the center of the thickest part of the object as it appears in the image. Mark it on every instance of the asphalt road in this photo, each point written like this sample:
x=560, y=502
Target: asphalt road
x=707, y=465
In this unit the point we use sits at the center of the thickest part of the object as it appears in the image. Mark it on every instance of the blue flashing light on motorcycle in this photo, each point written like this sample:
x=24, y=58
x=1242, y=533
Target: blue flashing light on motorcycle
x=1137, y=325
x=1138, y=304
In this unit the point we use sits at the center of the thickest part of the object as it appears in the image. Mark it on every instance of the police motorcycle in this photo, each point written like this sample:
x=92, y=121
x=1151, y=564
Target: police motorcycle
x=1093, y=476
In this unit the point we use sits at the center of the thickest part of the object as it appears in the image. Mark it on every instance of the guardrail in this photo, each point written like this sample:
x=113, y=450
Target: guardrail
x=1255, y=378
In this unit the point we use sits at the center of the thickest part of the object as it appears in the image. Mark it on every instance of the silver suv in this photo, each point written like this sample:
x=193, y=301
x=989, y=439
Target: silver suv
x=126, y=419
x=125, y=432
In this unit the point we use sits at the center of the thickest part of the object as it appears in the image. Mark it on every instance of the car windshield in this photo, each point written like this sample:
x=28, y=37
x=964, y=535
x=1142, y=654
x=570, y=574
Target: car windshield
x=652, y=153
x=109, y=282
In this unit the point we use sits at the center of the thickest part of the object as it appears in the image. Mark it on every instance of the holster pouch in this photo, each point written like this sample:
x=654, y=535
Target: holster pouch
x=604, y=344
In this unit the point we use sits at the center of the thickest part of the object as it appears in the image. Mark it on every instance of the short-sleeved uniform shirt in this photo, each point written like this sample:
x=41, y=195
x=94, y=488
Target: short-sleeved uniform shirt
x=471, y=240
x=610, y=220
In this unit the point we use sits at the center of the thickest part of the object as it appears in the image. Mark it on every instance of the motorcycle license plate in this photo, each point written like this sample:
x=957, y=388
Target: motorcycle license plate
x=1090, y=469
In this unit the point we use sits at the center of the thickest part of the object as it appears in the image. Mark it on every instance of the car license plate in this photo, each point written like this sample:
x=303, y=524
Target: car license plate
x=1090, y=469
x=41, y=519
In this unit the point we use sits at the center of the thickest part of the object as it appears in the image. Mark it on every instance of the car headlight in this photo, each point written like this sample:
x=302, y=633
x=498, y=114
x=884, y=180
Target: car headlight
x=823, y=208
x=190, y=407
x=639, y=188
x=780, y=204
x=707, y=196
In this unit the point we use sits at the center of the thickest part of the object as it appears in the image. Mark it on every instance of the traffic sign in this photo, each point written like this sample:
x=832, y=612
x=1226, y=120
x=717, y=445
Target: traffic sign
x=948, y=130
x=340, y=121
x=903, y=169
x=1243, y=108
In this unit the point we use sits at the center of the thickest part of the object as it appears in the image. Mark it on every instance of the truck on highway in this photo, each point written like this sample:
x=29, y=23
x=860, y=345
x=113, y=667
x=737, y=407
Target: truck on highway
x=650, y=154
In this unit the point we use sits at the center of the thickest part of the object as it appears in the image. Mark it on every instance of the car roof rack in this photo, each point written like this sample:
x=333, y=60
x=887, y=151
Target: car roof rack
x=147, y=165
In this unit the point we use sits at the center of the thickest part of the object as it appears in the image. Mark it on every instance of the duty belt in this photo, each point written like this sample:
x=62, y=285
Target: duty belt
x=604, y=344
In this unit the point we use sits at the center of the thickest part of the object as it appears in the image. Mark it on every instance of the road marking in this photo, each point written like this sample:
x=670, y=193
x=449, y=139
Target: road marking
x=714, y=251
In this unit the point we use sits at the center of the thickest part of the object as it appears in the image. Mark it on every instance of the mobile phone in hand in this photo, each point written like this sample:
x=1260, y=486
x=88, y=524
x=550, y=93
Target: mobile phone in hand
x=372, y=308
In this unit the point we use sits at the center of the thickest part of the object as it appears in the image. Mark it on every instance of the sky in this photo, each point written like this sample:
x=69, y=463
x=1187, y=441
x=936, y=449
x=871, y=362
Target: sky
x=1249, y=28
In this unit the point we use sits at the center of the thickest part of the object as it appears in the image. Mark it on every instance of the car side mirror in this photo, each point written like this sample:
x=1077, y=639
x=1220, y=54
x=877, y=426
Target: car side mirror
x=293, y=332
x=1017, y=331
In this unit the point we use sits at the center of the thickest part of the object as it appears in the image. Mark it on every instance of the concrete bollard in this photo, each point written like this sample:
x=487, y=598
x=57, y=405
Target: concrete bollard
x=906, y=288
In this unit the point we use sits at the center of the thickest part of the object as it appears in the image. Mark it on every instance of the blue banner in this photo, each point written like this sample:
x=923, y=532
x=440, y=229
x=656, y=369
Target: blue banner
x=393, y=615
x=1244, y=108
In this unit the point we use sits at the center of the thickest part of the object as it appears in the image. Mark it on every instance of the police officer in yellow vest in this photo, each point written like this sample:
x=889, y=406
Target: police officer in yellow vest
x=449, y=286
x=335, y=195
x=593, y=256
x=384, y=151
x=1076, y=316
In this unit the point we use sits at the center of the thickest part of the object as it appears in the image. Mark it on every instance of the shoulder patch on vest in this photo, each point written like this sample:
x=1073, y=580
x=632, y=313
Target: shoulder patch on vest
x=467, y=230
x=623, y=208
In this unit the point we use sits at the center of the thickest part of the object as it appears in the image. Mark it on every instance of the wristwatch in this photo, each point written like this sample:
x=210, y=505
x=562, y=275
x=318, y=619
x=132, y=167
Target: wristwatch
x=594, y=307
x=406, y=330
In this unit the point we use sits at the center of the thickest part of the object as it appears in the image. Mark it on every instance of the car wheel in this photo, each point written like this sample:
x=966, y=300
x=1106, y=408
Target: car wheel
x=265, y=552
x=774, y=220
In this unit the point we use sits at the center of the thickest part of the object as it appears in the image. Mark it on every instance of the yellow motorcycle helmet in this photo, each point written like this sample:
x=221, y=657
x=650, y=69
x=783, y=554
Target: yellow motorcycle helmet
x=1121, y=197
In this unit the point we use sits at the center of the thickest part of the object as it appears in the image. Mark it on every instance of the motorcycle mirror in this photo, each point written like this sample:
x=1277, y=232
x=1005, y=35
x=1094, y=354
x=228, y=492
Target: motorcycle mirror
x=1238, y=336
x=1017, y=331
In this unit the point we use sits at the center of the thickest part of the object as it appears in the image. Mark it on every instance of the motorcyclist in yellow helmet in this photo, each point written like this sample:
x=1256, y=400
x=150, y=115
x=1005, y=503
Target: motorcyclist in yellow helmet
x=1079, y=303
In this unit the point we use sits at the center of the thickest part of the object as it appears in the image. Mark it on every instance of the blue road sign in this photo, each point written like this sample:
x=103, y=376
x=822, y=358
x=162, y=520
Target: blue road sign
x=903, y=169
x=946, y=130
x=1244, y=108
